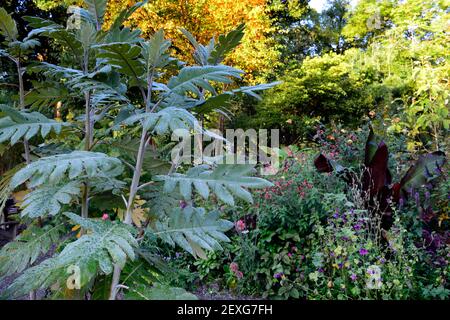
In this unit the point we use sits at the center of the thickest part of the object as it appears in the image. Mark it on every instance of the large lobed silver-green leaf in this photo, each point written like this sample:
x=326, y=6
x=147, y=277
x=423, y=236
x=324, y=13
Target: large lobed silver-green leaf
x=106, y=244
x=125, y=57
x=58, y=33
x=8, y=27
x=17, y=255
x=70, y=165
x=213, y=54
x=155, y=51
x=19, y=124
x=226, y=181
x=158, y=292
x=193, y=229
x=102, y=93
x=161, y=122
x=97, y=9
x=49, y=198
x=201, y=53
x=226, y=44
x=190, y=79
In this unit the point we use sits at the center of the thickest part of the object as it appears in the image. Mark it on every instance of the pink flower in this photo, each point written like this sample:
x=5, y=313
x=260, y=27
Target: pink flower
x=290, y=255
x=240, y=225
x=239, y=274
x=234, y=267
x=105, y=216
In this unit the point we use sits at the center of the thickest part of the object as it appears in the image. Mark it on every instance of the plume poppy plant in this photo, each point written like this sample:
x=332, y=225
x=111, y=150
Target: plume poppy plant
x=103, y=66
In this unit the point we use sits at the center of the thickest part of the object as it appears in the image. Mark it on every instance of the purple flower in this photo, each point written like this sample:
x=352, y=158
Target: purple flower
x=357, y=227
x=353, y=277
x=401, y=202
x=363, y=252
x=183, y=204
x=278, y=275
x=320, y=270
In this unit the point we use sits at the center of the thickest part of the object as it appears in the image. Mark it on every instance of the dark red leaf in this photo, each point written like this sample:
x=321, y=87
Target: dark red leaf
x=322, y=164
x=377, y=175
x=396, y=192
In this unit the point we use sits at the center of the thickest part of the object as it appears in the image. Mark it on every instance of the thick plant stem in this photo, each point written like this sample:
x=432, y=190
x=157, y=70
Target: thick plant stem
x=22, y=106
x=135, y=182
x=85, y=201
x=87, y=147
x=130, y=205
x=26, y=145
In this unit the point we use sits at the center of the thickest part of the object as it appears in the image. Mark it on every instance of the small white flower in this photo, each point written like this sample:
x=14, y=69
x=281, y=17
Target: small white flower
x=374, y=277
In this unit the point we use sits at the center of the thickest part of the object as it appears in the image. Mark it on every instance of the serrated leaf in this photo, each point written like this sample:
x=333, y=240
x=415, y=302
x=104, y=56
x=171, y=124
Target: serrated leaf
x=8, y=27
x=19, y=125
x=225, y=181
x=226, y=44
x=97, y=9
x=194, y=230
x=190, y=79
x=168, y=119
x=25, y=249
x=48, y=199
x=106, y=243
x=158, y=292
x=155, y=51
x=71, y=165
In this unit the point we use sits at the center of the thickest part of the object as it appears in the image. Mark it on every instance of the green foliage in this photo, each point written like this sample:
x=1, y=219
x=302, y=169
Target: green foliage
x=95, y=252
x=123, y=56
x=155, y=51
x=97, y=9
x=47, y=28
x=322, y=89
x=193, y=229
x=16, y=256
x=158, y=292
x=26, y=125
x=190, y=78
x=226, y=181
x=72, y=165
x=8, y=27
x=226, y=44
x=213, y=53
x=169, y=118
x=48, y=199
x=133, y=93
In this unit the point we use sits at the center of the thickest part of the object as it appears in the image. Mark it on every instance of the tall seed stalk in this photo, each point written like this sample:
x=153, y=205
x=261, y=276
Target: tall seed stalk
x=144, y=141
